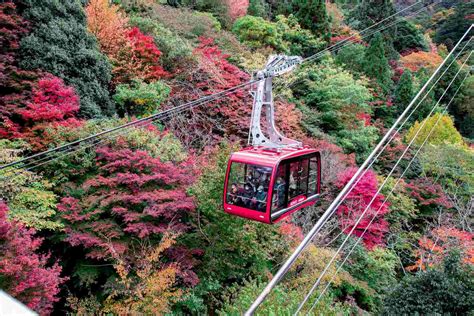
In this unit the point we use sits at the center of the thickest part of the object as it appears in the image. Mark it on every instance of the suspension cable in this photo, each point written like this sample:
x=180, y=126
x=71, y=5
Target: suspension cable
x=318, y=281
x=329, y=211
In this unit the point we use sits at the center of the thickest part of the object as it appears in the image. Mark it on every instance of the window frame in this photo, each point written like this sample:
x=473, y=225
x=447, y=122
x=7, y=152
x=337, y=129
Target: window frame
x=246, y=165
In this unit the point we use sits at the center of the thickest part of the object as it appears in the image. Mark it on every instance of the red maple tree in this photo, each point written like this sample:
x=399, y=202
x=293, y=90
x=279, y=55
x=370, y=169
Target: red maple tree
x=427, y=193
x=145, y=54
x=434, y=247
x=15, y=83
x=134, y=197
x=356, y=202
x=24, y=273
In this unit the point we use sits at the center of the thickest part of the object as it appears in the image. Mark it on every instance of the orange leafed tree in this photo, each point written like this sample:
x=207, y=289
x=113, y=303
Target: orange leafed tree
x=417, y=60
x=435, y=246
x=132, y=53
x=147, y=286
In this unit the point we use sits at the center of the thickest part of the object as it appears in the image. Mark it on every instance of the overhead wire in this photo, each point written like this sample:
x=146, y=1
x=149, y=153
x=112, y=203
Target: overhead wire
x=67, y=149
x=389, y=195
x=316, y=284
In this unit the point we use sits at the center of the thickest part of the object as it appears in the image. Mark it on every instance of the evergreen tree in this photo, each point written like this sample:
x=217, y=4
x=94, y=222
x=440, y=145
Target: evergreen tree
x=258, y=8
x=403, y=92
x=312, y=15
x=456, y=24
x=376, y=64
x=407, y=36
x=456, y=106
x=445, y=291
x=369, y=12
x=61, y=45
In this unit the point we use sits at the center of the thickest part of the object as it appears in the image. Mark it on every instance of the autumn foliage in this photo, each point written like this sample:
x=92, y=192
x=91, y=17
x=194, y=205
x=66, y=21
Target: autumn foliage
x=15, y=83
x=132, y=198
x=417, y=60
x=147, y=287
x=427, y=193
x=53, y=104
x=133, y=54
x=355, y=204
x=435, y=246
x=23, y=272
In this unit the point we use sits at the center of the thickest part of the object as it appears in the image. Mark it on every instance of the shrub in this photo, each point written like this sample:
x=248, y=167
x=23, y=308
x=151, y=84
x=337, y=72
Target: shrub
x=140, y=98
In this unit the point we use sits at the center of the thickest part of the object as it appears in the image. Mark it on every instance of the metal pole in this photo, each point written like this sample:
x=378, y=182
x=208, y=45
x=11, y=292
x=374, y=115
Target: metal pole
x=331, y=209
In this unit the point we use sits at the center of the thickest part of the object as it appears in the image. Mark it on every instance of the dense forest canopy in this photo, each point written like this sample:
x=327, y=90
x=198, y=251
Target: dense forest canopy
x=136, y=225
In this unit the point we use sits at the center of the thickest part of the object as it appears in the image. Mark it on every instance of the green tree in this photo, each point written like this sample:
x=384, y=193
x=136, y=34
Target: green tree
x=368, y=12
x=456, y=24
x=61, y=45
x=407, y=36
x=332, y=102
x=376, y=64
x=140, y=98
x=453, y=165
x=352, y=57
x=446, y=290
x=176, y=50
x=463, y=110
x=443, y=133
x=257, y=32
x=312, y=15
x=403, y=92
x=30, y=197
x=259, y=8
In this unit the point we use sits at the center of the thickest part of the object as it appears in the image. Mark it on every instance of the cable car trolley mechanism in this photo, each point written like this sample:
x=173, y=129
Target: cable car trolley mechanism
x=275, y=176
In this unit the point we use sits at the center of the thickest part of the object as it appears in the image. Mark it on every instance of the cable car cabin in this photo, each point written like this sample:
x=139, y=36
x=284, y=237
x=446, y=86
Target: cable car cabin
x=267, y=185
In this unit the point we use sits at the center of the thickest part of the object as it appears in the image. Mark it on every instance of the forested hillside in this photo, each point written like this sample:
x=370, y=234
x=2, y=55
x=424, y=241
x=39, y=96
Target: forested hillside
x=135, y=224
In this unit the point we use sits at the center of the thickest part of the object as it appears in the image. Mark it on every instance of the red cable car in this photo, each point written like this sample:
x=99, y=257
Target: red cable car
x=276, y=176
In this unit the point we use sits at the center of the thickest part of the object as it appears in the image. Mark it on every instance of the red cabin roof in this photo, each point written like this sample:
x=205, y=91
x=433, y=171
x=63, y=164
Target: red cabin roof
x=269, y=157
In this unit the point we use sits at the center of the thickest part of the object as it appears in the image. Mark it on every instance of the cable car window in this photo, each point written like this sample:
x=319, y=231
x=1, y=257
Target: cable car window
x=279, y=188
x=298, y=178
x=313, y=176
x=248, y=186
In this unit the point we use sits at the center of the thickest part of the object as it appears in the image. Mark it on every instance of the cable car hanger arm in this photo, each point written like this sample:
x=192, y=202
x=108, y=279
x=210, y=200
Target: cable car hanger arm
x=262, y=92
